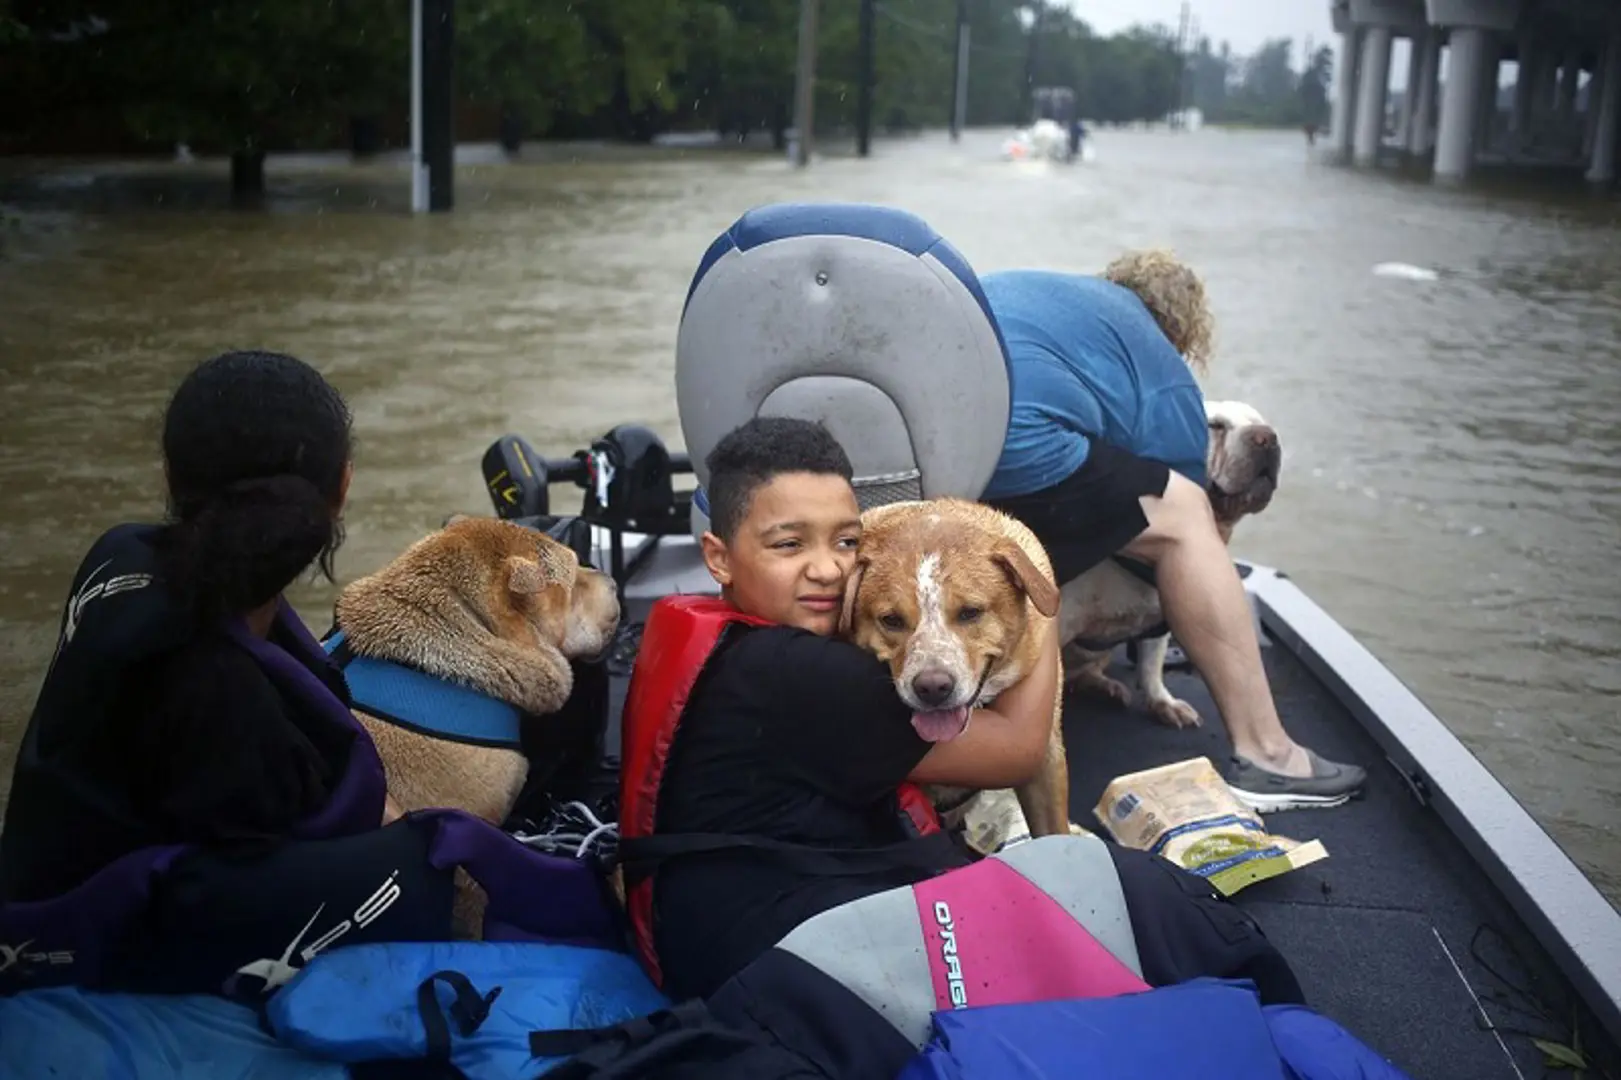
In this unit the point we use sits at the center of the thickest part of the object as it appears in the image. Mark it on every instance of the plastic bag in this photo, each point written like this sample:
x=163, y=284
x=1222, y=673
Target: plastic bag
x=1186, y=813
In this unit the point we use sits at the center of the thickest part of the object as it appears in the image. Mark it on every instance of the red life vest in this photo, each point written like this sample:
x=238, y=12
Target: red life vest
x=680, y=635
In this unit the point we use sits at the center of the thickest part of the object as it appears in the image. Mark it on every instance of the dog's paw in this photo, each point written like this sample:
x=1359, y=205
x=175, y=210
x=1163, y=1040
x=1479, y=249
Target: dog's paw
x=1095, y=682
x=1174, y=712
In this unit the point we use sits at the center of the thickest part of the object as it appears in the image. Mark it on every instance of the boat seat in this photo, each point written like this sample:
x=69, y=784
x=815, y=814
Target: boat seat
x=861, y=317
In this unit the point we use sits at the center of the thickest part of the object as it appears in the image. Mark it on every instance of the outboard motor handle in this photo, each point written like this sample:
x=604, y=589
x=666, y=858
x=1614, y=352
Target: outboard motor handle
x=516, y=478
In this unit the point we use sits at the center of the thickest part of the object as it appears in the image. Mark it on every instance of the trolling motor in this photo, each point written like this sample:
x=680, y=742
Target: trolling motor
x=627, y=479
x=517, y=479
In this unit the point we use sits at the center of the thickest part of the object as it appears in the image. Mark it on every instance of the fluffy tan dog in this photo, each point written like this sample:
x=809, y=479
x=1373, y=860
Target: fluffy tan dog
x=958, y=599
x=491, y=606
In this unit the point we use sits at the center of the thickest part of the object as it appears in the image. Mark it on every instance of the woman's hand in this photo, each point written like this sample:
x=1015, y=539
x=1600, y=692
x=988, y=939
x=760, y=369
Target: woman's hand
x=1003, y=747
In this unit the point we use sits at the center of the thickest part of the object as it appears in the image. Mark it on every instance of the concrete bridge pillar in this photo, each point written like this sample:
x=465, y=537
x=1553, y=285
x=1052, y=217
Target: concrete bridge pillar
x=1590, y=115
x=1524, y=85
x=1373, y=86
x=1409, y=97
x=1427, y=47
x=1488, y=95
x=1472, y=51
x=1343, y=122
x=1601, y=168
x=1467, y=50
x=1569, y=81
x=1545, y=95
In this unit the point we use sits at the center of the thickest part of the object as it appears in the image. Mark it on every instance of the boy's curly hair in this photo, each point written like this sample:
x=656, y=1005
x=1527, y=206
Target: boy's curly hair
x=1174, y=295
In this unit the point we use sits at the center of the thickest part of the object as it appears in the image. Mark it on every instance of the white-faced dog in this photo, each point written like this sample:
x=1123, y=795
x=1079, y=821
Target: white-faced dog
x=1110, y=604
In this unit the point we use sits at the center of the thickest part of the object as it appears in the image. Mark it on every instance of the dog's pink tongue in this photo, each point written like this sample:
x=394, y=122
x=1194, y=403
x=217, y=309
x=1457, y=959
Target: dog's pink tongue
x=940, y=726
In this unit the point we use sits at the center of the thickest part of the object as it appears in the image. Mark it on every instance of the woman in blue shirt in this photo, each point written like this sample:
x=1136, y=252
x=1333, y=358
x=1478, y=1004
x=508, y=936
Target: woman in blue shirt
x=1105, y=456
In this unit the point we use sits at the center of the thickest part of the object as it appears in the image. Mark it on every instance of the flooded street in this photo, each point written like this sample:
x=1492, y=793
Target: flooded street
x=1452, y=480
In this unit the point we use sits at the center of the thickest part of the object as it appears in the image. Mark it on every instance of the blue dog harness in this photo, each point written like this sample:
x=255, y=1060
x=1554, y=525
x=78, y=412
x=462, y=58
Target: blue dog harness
x=425, y=703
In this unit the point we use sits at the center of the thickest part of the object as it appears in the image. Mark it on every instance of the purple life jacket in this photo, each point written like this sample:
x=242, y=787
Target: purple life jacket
x=178, y=918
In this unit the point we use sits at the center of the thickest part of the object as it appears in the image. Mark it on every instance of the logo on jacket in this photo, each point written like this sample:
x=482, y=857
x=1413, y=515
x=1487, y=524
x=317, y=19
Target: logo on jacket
x=22, y=958
x=948, y=954
x=92, y=590
x=273, y=973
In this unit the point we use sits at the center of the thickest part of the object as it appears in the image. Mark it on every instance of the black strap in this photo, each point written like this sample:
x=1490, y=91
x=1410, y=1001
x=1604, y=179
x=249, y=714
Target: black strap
x=640, y=856
x=469, y=1010
x=341, y=655
x=1138, y=569
x=627, y=1049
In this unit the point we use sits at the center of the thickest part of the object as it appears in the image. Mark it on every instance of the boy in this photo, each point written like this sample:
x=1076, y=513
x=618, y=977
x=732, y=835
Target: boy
x=793, y=734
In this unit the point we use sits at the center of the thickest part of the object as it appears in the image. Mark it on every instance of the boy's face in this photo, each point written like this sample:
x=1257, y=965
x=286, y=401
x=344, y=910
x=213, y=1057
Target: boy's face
x=792, y=552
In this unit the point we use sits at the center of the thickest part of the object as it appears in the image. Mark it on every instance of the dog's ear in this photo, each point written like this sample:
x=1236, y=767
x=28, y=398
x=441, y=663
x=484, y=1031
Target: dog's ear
x=524, y=576
x=1031, y=581
x=852, y=589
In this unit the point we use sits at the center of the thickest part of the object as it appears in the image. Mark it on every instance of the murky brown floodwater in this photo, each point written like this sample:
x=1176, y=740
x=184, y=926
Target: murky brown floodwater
x=1453, y=481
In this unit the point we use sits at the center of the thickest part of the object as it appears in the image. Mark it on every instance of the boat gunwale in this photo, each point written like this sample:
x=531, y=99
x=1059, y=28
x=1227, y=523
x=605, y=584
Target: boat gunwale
x=1561, y=907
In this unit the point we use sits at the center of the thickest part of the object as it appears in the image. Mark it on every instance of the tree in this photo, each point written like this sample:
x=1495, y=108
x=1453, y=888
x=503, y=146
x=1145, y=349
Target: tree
x=1208, y=75
x=1314, y=83
x=740, y=71
x=237, y=78
x=533, y=61
x=1269, y=83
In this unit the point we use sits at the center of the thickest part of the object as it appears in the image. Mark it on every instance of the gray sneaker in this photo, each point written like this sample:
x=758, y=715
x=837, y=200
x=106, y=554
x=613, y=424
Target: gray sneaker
x=1330, y=784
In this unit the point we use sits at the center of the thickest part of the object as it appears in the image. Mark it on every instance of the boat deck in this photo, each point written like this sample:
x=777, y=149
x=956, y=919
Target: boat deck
x=1397, y=935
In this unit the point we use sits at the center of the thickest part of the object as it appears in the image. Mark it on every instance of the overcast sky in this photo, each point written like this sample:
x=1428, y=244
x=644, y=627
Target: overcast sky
x=1243, y=23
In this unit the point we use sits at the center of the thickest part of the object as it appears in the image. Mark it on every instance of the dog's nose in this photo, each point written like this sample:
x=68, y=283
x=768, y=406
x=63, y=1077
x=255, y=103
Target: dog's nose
x=1262, y=437
x=933, y=687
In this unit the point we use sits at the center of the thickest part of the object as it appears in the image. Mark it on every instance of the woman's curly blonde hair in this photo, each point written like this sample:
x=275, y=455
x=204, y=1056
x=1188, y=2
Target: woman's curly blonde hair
x=1174, y=295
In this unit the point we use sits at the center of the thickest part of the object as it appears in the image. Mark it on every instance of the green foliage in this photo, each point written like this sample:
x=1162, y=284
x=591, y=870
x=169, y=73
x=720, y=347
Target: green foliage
x=226, y=76
x=1262, y=89
x=280, y=73
x=534, y=59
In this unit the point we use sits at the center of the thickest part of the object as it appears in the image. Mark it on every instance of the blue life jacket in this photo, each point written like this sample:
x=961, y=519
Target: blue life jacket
x=1205, y=1029
x=1088, y=362
x=69, y=1032
x=473, y=1004
x=181, y=919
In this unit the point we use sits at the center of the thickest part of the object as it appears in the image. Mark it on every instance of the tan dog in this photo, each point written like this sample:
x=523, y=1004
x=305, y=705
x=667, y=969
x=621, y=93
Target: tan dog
x=491, y=606
x=488, y=605
x=1108, y=605
x=958, y=598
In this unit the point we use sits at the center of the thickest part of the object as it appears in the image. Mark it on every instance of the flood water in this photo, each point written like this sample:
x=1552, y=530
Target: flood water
x=1452, y=480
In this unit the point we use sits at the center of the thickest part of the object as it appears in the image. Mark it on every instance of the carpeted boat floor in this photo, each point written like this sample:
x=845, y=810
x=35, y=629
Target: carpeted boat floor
x=1398, y=935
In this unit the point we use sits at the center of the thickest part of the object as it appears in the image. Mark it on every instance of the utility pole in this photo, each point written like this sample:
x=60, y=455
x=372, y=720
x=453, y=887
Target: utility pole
x=959, y=75
x=1191, y=95
x=1181, y=65
x=433, y=114
x=805, y=86
x=864, y=87
x=1037, y=12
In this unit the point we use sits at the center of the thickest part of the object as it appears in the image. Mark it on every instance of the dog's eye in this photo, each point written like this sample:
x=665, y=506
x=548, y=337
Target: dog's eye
x=1218, y=425
x=968, y=614
x=892, y=622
